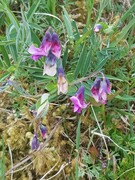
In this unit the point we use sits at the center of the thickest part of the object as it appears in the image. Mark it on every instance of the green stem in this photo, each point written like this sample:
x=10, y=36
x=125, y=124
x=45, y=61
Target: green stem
x=78, y=131
x=130, y=117
x=103, y=113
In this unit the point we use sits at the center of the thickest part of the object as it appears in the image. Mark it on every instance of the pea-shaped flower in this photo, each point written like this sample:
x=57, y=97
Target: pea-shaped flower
x=97, y=27
x=43, y=130
x=35, y=142
x=100, y=89
x=50, y=48
x=61, y=81
x=78, y=100
x=50, y=43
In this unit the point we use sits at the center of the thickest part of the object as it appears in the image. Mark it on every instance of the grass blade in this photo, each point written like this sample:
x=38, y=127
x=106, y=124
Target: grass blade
x=5, y=56
x=10, y=15
x=67, y=22
x=80, y=61
x=87, y=63
x=33, y=9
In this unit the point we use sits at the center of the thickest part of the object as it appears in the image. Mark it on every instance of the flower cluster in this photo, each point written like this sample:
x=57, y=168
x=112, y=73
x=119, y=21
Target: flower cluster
x=35, y=144
x=50, y=48
x=99, y=92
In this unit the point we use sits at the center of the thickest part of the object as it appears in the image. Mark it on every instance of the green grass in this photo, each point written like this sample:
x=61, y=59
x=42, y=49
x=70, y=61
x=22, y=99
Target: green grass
x=107, y=131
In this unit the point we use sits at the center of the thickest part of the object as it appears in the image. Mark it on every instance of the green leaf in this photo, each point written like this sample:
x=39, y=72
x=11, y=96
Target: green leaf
x=76, y=31
x=51, y=86
x=5, y=56
x=87, y=63
x=10, y=15
x=4, y=43
x=125, y=98
x=4, y=76
x=42, y=105
x=68, y=24
x=127, y=13
x=80, y=61
x=71, y=90
x=101, y=64
x=124, y=32
x=114, y=78
x=33, y=8
x=82, y=38
x=34, y=37
x=65, y=57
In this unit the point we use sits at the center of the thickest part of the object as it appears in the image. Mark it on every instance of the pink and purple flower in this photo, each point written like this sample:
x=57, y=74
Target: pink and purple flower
x=50, y=48
x=100, y=89
x=78, y=100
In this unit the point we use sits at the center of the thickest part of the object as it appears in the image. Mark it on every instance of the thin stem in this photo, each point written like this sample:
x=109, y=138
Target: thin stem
x=130, y=118
x=101, y=132
x=85, y=78
x=104, y=117
x=11, y=158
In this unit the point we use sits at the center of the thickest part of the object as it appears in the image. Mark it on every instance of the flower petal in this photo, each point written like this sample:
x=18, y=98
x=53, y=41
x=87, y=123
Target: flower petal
x=50, y=59
x=95, y=89
x=46, y=43
x=62, y=85
x=108, y=89
x=76, y=101
x=103, y=95
x=36, y=57
x=49, y=70
x=36, y=51
x=56, y=48
x=76, y=108
x=61, y=82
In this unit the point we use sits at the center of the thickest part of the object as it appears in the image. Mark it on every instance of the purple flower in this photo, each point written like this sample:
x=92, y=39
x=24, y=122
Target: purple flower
x=78, y=100
x=49, y=44
x=44, y=48
x=55, y=48
x=100, y=89
x=61, y=82
x=35, y=142
x=97, y=27
x=50, y=65
x=43, y=130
